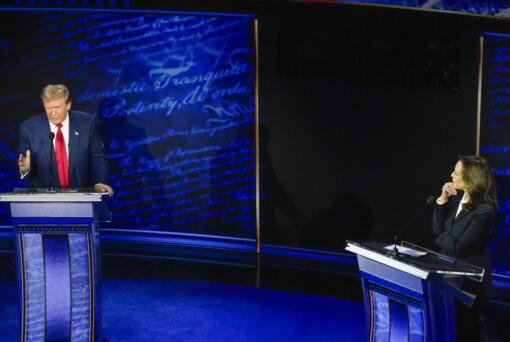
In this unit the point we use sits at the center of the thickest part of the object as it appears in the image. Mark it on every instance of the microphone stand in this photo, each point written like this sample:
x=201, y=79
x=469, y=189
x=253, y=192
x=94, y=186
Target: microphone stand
x=394, y=251
x=51, y=188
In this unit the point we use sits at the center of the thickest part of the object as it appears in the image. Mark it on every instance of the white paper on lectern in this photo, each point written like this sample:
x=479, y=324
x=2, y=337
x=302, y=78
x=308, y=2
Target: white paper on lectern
x=406, y=251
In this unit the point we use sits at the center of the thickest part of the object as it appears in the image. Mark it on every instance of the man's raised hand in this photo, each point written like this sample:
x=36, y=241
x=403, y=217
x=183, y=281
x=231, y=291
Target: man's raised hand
x=24, y=162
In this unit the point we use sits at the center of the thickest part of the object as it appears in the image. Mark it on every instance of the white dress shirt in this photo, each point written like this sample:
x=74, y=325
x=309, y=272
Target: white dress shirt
x=65, y=132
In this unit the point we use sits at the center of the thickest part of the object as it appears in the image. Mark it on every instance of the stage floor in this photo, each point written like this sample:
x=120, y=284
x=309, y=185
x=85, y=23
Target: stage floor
x=140, y=310
x=165, y=293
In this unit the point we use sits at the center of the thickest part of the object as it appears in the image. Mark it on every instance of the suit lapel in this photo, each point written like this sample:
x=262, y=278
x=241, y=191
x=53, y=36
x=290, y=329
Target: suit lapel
x=451, y=216
x=48, y=150
x=461, y=215
x=55, y=180
x=74, y=142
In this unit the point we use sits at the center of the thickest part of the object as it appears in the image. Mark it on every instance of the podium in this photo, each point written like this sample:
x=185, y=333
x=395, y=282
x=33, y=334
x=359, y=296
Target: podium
x=58, y=262
x=411, y=298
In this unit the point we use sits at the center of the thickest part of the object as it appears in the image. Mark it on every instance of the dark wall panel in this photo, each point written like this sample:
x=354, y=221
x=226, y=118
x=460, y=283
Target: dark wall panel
x=362, y=120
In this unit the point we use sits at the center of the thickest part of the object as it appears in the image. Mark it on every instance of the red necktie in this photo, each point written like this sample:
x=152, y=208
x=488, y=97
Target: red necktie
x=61, y=157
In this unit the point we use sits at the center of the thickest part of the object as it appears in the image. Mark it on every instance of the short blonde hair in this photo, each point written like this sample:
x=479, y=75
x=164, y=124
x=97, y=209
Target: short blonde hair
x=55, y=91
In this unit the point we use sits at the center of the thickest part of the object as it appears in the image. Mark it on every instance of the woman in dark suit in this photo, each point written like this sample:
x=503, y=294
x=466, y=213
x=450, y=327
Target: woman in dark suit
x=462, y=221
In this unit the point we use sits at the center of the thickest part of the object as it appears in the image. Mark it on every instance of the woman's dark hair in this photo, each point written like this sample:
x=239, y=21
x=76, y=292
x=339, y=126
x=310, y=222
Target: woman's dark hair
x=480, y=182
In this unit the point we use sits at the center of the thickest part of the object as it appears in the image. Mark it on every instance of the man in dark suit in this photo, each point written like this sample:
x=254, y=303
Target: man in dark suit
x=72, y=140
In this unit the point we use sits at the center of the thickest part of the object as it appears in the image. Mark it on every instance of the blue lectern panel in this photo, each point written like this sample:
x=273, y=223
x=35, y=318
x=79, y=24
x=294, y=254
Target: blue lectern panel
x=380, y=329
x=33, y=293
x=399, y=321
x=417, y=325
x=394, y=320
x=57, y=287
x=81, y=290
x=57, y=282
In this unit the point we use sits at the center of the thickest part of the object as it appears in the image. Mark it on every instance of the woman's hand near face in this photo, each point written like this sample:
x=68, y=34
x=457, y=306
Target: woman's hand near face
x=447, y=191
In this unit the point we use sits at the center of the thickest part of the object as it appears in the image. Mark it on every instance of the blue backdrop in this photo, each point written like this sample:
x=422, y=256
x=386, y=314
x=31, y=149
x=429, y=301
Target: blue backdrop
x=487, y=7
x=174, y=99
x=495, y=138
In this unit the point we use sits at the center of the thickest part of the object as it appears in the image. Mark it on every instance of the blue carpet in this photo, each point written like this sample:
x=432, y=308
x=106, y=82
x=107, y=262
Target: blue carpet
x=153, y=310
x=9, y=312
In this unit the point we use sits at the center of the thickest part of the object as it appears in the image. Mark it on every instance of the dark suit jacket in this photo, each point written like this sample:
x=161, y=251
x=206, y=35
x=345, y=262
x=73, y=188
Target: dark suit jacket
x=466, y=236
x=85, y=152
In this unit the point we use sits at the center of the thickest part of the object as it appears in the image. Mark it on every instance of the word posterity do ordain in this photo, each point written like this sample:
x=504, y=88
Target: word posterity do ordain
x=173, y=97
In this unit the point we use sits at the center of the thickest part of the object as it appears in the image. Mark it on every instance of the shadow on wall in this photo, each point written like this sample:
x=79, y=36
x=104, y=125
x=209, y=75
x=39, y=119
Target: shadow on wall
x=346, y=218
x=140, y=198
x=283, y=223
x=280, y=216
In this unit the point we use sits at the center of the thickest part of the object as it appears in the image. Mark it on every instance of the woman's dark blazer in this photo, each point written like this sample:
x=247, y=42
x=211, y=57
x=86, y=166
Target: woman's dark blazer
x=465, y=237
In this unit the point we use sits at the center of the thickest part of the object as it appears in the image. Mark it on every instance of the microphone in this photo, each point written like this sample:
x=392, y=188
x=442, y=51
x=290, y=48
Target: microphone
x=51, y=136
x=429, y=200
